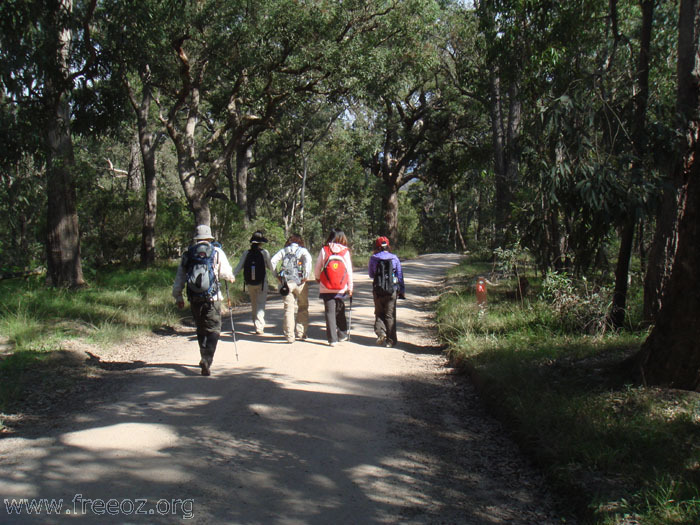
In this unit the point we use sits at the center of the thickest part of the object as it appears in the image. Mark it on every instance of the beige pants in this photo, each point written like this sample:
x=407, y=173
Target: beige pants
x=296, y=304
x=258, y=298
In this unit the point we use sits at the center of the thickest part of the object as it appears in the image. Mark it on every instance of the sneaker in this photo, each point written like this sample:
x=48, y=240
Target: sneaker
x=290, y=341
x=344, y=338
x=205, y=367
x=332, y=343
x=302, y=337
x=381, y=340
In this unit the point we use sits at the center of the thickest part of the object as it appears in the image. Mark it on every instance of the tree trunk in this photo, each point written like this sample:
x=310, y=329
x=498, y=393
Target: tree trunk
x=147, y=145
x=455, y=214
x=390, y=205
x=671, y=354
x=662, y=251
x=619, y=305
x=63, y=235
x=244, y=156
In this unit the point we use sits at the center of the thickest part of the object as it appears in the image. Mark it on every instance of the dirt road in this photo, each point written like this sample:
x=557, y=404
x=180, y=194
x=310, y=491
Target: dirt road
x=286, y=434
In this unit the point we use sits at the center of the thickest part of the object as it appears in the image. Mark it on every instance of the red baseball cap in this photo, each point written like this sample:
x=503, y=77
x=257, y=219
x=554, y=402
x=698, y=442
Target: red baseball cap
x=381, y=242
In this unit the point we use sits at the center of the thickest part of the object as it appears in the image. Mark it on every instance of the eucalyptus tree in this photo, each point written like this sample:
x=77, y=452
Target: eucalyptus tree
x=671, y=354
x=45, y=49
x=131, y=36
x=403, y=97
x=235, y=67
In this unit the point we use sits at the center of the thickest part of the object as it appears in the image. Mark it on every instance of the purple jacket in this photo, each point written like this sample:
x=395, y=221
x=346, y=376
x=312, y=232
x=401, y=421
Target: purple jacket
x=396, y=264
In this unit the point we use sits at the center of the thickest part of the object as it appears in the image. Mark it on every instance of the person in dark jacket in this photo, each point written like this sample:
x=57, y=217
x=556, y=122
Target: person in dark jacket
x=385, y=305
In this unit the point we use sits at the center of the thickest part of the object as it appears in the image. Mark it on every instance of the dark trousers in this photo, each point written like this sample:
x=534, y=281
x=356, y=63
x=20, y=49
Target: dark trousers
x=336, y=323
x=207, y=318
x=385, y=316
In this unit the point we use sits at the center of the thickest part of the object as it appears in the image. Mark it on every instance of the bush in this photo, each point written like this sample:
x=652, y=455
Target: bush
x=580, y=306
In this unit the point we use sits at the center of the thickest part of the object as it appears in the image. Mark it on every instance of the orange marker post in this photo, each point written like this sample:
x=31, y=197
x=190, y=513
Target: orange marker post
x=481, y=292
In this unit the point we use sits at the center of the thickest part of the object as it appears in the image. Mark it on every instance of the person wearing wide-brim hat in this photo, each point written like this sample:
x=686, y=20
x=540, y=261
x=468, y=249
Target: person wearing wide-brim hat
x=255, y=262
x=205, y=302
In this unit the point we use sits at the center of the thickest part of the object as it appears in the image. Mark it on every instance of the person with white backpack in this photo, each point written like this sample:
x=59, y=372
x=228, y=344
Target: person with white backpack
x=294, y=262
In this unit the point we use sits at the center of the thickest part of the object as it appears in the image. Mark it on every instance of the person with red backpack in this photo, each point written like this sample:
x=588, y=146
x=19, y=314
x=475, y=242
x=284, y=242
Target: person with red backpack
x=255, y=262
x=387, y=285
x=333, y=271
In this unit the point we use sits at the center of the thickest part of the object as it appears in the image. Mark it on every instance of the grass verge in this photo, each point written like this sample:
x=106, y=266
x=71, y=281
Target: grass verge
x=36, y=321
x=616, y=452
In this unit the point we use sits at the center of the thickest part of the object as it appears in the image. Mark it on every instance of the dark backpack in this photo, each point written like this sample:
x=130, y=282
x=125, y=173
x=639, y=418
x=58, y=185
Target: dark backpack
x=200, y=262
x=254, y=267
x=334, y=275
x=384, y=278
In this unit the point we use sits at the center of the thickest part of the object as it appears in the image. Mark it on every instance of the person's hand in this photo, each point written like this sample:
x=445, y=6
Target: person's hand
x=180, y=304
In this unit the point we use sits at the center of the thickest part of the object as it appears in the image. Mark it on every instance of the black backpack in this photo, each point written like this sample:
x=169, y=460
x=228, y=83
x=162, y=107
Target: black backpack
x=200, y=260
x=254, y=267
x=384, y=278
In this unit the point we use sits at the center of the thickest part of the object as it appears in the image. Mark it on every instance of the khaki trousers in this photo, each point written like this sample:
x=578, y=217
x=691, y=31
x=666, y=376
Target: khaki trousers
x=296, y=305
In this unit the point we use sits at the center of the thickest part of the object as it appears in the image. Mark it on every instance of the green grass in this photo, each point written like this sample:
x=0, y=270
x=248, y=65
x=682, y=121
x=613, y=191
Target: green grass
x=613, y=449
x=36, y=321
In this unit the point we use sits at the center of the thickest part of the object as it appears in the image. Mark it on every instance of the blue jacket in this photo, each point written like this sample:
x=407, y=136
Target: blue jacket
x=396, y=264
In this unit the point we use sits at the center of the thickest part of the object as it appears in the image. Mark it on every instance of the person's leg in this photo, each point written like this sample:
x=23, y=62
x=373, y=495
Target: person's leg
x=302, y=310
x=379, y=319
x=289, y=307
x=258, y=297
x=260, y=314
x=340, y=319
x=329, y=306
x=390, y=319
x=208, y=331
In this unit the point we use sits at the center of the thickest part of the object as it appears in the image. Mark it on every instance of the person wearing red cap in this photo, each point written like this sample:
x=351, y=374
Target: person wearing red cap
x=388, y=285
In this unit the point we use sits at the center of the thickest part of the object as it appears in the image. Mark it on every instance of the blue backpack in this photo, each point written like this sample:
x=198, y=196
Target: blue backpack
x=200, y=262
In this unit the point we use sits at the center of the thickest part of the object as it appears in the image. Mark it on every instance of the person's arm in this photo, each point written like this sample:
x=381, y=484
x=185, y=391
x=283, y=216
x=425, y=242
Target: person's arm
x=241, y=261
x=276, y=259
x=348, y=265
x=307, y=265
x=319, y=264
x=225, y=272
x=399, y=277
x=179, y=284
x=268, y=261
x=372, y=266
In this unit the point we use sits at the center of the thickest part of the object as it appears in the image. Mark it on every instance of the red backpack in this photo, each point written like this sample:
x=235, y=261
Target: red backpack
x=334, y=275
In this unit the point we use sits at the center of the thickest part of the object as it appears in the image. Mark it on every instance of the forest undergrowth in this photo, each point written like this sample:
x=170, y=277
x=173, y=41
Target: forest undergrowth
x=550, y=368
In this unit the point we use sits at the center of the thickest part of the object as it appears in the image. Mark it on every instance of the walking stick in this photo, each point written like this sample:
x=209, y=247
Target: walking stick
x=233, y=326
x=350, y=321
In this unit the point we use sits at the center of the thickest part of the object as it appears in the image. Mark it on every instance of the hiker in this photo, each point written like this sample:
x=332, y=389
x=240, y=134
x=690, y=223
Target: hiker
x=294, y=273
x=254, y=262
x=388, y=285
x=201, y=268
x=333, y=270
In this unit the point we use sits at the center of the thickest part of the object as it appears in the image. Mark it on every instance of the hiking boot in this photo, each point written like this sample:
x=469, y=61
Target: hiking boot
x=205, y=367
x=333, y=343
x=381, y=340
x=343, y=338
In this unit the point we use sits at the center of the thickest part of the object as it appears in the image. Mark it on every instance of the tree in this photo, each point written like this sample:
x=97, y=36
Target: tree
x=45, y=51
x=638, y=138
x=671, y=354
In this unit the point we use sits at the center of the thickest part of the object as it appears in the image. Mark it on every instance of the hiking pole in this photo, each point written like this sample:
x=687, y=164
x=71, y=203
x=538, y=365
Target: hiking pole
x=350, y=321
x=233, y=326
